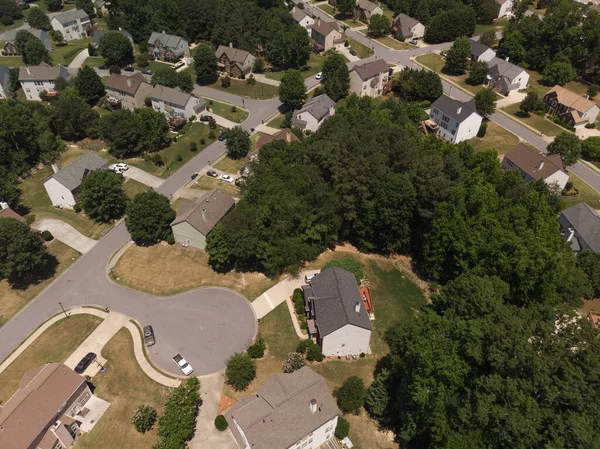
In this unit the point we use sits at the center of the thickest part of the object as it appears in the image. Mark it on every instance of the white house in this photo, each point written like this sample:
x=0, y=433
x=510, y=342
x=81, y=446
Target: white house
x=4, y=82
x=314, y=112
x=535, y=166
x=40, y=78
x=371, y=79
x=506, y=76
x=505, y=7
x=288, y=411
x=457, y=121
x=73, y=24
x=406, y=27
x=63, y=185
x=337, y=316
x=480, y=52
x=302, y=19
x=175, y=103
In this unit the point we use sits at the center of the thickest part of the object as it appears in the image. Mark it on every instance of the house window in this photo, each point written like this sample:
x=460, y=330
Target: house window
x=453, y=131
x=58, y=446
x=27, y=90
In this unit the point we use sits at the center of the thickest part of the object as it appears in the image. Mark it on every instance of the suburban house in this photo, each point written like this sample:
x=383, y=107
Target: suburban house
x=285, y=134
x=167, y=47
x=337, y=316
x=576, y=110
x=175, y=103
x=7, y=212
x=325, y=35
x=480, y=52
x=366, y=9
x=407, y=28
x=371, y=79
x=10, y=36
x=195, y=219
x=580, y=227
x=130, y=91
x=48, y=411
x=99, y=34
x=236, y=62
x=74, y=24
x=505, y=76
x=4, y=82
x=457, y=121
x=100, y=6
x=294, y=410
x=535, y=166
x=302, y=19
x=314, y=112
x=505, y=7
x=39, y=79
x=63, y=185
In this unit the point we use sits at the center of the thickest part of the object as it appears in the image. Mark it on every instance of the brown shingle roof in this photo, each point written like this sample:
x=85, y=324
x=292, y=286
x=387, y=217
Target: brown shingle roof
x=127, y=84
x=9, y=213
x=233, y=54
x=536, y=165
x=370, y=69
x=285, y=134
x=325, y=28
x=208, y=211
x=571, y=99
x=42, y=72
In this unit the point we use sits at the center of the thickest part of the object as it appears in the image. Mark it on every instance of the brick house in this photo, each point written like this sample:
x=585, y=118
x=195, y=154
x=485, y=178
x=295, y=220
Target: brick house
x=237, y=63
x=167, y=47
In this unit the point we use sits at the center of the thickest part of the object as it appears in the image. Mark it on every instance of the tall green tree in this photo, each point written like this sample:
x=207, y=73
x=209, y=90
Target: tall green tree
x=590, y=148
x=450, y=24
x=38, y=20
x=102, y=196
x=379, y=25
x=10, y=9
x=568, y=146
x=85, y=5
x=487, y=11
x=477, y=72
x=485, y=101
x=34, y=52
x=89, y=85
x=120, y=130
x=488, y=38
x=21, y=252
x=72, y=116
x=559, y=73
x=351, y=395
x=53, y=5
x=238, y=142
x=241, y=370
x=531, y=103
x=205, y=64
x=458, y=56
x=148, y=218
x=288, y=48
x=337, y=77
x=418, y=85
x=345, y=7
x=116, y=49
x=292, y=90
x=153, y=128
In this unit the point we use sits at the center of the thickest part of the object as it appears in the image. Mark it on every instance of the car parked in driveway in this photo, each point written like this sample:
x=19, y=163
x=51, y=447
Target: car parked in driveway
x=183, y=365
x=212, y=173
x=147, y=72
x=352, y=52
x=128, y=69
x=206, y=118
x=221, y=137
x=413, y=42
x=103, y=67
x=443, y=54
x=85, y=362
x=149, y=336
x=226, y=178
x=319, y=76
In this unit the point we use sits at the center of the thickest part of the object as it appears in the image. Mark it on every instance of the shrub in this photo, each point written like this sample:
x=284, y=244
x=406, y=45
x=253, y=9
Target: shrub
x=348, y=264
x=154, y=158
x=259, y=66
x=592, y=91
x=47, y=236
x=192, y=118
x=342, y=429
x=114, y=69
x=212, y=135
x=177, y=423
x=193, y=147
x=77, y=208
x=304, y=345
x=591, y=125
x=314, y=353
x=171, y=239
x=30, y=218
x=251, y=81
x=297, y=294
x=304, y=325
x=351, y=395
x=257, y=350
x=299, y=306
x=7, y=20
x=202, y=141
x=226, y=81
x=210, y=102
x=482, y=130
x=143, y=418
x=362, y=355
x=293, y=362
x=241, y=370
x=179, y=158
x=234, y=109
x=221, y=423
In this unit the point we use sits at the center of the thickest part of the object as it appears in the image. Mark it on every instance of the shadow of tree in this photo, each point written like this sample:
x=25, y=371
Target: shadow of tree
x=42, y=274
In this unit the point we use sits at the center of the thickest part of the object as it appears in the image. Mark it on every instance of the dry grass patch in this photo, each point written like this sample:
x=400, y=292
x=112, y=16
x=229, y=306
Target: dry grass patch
x=131, y=187
x=55, y=344
x=365, y=433
x=496, y=137
x=208, y=183
x=165, y=270
x=264, y=368
x=126, y=387
x=229, y=165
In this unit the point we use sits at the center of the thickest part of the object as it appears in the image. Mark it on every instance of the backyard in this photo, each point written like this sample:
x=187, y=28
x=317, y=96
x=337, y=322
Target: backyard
x=497, y=138
x=498, y=25
x=55, y=344
x=258, y=91
x=586, y=194
x=538, y=122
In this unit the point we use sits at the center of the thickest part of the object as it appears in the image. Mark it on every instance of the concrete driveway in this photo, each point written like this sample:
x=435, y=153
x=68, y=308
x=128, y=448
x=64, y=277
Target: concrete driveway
x=66, y=234
x=79, y=59
x=279, y=293
x=143, y=177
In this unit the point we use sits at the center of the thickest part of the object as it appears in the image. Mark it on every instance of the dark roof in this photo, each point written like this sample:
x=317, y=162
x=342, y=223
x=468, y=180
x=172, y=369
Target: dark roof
x=5, y=78
x=123, y=83
x=501, y=67
x=335, y=296
x=170, y=42
x=72, y=174
x=285, y=134
x=99, y=34
x=9, y=213
x=371, y=69
x=536, y=165
x=405, y=23
x=318, y=107
x=477, y=48
x=233, y=54
x=10, y=36
x=206, y=212
x=72, y=16
x=325, y=28
x=456, y=110
x=586, y=223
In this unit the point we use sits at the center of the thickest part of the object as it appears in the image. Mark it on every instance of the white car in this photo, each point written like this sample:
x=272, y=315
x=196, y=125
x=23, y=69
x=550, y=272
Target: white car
x=226, y=178
x=319, y=75
x=122, y=166
x=183, y=365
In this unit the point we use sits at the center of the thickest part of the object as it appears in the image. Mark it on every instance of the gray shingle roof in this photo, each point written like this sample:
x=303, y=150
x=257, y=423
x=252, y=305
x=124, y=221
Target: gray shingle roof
x=5, y=78
x=72, y=174
x=318, y=107
x=370, y=69
x=171, y=95
x=477, y=48
x=586, y=223
x=501, y=67
x=451, y=108
x=10, y=36
x=335, y=296
x=405, y=23
x=99, y=34
x=72, y=16
x=367, y=5
x=169, y=41
x=42, y=72
x=298, y=14
x=279, y=414
x=213, y=205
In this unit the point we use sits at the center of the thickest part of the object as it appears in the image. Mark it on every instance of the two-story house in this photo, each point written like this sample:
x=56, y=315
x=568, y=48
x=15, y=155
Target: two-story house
x=481, y=52
x=535, y=166
x=167, y=47
x=325, y=35
x=302, y=19
x=237, y=63
x=371, y=79
x=39, y=79
x=288, y=411
x=10, y=36
x=74, y=24
x=365, y=9
x=4, y=82
x=314, y=112
x=130, y=91
x=457, y=121
x=505, y=76
x=406, y=27
x=174, y=103
x=576, y=110
x=580, y=227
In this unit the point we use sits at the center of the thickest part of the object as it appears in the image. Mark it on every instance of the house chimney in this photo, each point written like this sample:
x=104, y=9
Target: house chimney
x=54, y=168
x=204, y=216
x=459, y=109
x=163, y=32
x=28, y=71
x=230, y=44
x=318, y=21
x=571, y=234
x=357, y=307
x=507, y=58
x=129, y=81
x=120, y=29
x=3, y=205
x=313, y=405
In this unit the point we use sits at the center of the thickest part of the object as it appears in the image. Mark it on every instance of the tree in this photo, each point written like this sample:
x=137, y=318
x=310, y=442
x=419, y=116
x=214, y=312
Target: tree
x=240, y=371
x=143, y=418
x=38, y=20
x=153, y=128
x=148, y=218
x=458, y=56
x=421, y=12
x=292, y=90
x=293, y=362
x=102, y=196
x=10, y=9
x=259, y=65
x=377, y=395
x=530, y=103
x=379, y=25
x=448, y=25
x=205, y=64
x=351, y=395
x=589, y=263
x=85, y=5
x=34, y=52
x=21, y=251
x=72, y=117
x=170, y=78
x=8, y=190
x=337, y=77
x=13, y=81
x=237, y=142
x=488, y=11
x=177, y=423
x=57, y=36
x=485, y=101
x=142, y=60
x=349, y=264
x=314, y=353
x=60, y=84
x=590, y=148
x=221, y=423
x=288, y=48
x=120, y=130
x=568, y=146
x=477, y=72
x=342, y=430
x=53, y=5
x=488, y=38
x=512, y=46
x=116, y=49
x=185, y=82
x=559, y=73
x=89, y=85
x=418, y=85
x=345, y=7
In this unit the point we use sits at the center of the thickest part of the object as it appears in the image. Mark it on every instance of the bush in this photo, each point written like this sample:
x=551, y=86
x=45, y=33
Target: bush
x=226, y=81
x=7, y=20
x=314, y=353
x=114, y=69
x=362, y=355
x=77, y=208
x=234, y=109
x=342, y=429
x=202, y=141
x=171, y=239
x=221, y=423
x=351, y=395
x=304, y=345
x=592, y=91
x=241, y=370
x=251, y=81
x=193, y=147
x=348, y=264
x=47, y=236
x=176, y=425
x=482, y=130
x=30, y=219
x=297, y=294
x=293, y=362
x=257, y=350
x=192, y=118
x=591, y=126
x=143, y=418
x=179, y=158
x=154, y=158
x=304, y=325
x=212, y=135
x=299, y=306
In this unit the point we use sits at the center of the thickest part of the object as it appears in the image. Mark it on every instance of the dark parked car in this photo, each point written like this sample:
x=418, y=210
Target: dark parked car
x=205, y=118
x=147, y=72
x=149, y=336
x=103, y=67
x=128, y=69
x=352, y=52
x=221, y=137
x=212, y=173
x=85, y=362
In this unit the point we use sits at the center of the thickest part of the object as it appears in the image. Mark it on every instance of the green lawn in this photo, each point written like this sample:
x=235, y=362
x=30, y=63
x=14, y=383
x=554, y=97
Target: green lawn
x=498, y=25
x=277, y=121
x=64, y=54
x=327, y=9
x=352, y=23
x=497, y=138
x=586, y=194
x=542, y=124
x=395, y=44
x=94, y=61
x=12, y=61
x=436, y=63
x=240, y=87
x=133, y=187
x=225, y=111
x=157, y=65
x=278, y=331
x=314, y=66
x=362, y=51
x=229, y=165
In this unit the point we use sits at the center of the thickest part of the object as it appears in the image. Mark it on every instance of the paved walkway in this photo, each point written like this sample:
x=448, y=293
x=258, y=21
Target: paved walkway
x=222, y=121
x=512, y=98
x=261, y=78
x=144, y=177
x=79, y=59
x=66, y=234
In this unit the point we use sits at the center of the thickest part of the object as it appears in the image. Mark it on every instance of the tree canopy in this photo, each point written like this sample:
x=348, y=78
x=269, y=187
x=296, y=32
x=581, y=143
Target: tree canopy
x=22, y=253
x=116, y=49
x=238, y=142
x=568, y=146
x=458, y=56
x=89, y=85
x=205, y=64
x=148, y=218
x=337, y=77
x=292, y=90
x=102, y=196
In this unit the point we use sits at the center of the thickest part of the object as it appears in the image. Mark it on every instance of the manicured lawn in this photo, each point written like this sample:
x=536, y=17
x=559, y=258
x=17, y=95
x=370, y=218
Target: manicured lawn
x=436, y=63
x=208, y=183
x=259, y=91
x=542, y=124
x=352, y=23
x=157, y=65
x=65, y=54
x=277, y=121
x=12, y=300
x=327, y=9
x=12, y=61
x=225, y=111
x=586, y=194
x=101, y=111
x=362, y=51
x=497, y=138
x=94, y=61
x=498, y=25
x=314, y=66
x=395, y=44
x=55, y=344
x=133, y=187
x=537, y=84
x=165, y=270
x=126, y=387
x=229, y=165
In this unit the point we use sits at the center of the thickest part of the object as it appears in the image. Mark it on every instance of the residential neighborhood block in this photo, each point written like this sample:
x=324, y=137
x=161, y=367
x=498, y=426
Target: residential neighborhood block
x=167, y=47
x=237, y=63
x=575, y=110
x=10, y=36
x=406, y=27
x=174, y=103
x=325, y=35
x=129, y=91
x=302, y=19
x=580, y=227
